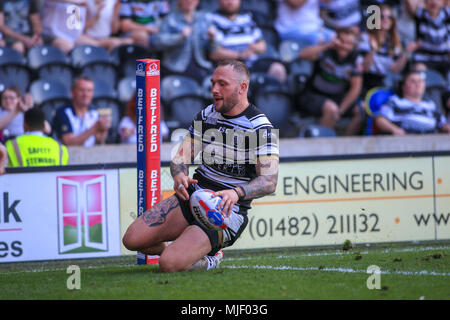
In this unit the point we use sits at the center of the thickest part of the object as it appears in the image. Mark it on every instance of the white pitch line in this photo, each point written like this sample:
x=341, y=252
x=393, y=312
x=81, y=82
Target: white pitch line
x=312, y=254
x=315, y=254
x=64, y=269
x=343, y=270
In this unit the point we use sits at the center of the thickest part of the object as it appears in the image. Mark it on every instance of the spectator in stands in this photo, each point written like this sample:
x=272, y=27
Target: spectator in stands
x=140, y=19
x=34, y=148
x=411, y=113
x=432, y=30
x=101, y=24
x=20, y=24
x=336, y=82
x=127, y=125
x=338, y=14
x=11, y=111
x=78, y=124
x=300, y=20
x=63, y=22
x=238, y=37
x=384, y=52
x=185, y=40
x=3, y=158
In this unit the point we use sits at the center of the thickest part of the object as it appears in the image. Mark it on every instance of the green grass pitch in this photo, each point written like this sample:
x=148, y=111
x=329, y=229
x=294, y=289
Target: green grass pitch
x=419, y=271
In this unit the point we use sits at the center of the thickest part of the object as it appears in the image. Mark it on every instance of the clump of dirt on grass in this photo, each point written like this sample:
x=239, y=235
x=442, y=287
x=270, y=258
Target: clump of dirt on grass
x=347, y=245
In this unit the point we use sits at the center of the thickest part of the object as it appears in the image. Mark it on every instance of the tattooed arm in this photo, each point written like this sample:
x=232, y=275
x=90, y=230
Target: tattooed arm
x=266, y=181
x=179, y=166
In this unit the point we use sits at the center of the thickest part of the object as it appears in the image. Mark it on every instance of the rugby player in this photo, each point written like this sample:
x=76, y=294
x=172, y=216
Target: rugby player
x=251, y=173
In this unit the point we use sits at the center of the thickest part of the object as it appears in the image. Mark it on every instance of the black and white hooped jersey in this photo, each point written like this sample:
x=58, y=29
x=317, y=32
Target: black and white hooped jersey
x=412, y=117
x=434, y=36
x=230, y=147
x=237, y=34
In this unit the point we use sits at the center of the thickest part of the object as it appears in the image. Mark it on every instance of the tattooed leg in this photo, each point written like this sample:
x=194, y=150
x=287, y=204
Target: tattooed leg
x=164, y=222
x=156, y=216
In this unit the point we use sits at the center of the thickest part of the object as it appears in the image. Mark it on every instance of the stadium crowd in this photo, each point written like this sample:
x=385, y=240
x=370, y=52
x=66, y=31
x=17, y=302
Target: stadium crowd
x=343, y=66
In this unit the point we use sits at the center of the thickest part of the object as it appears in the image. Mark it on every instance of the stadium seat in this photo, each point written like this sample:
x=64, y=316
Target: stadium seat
x=3, y=85
x=392, y=80
x=126, y=55
x=264, y=61
x=13, y=67
x=263, y=11
x=49, y=95
x=174, y=86
x=106, y=102
x=49, y=62
x=277, y=106
x=433, y=79
x=126, y=89
x=316, y=131
x=290, y=50
x=296, y=83
x=9, y=56
x=259, y=80
x=435, y=86
x=206, y=88
x=204, y=5
x=184, y=108
x=300, y=66
x=94, y=62
x=270, y=35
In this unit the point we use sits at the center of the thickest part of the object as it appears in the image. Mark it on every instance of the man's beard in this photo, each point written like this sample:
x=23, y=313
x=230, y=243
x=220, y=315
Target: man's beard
x=229, y=103
x=228, y=13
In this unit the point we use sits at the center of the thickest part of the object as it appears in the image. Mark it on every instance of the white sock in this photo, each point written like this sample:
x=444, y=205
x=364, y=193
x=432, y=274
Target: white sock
x=205, y=263
x=212, y=262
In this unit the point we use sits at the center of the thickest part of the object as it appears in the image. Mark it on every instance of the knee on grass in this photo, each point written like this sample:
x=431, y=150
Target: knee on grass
x=168, y=263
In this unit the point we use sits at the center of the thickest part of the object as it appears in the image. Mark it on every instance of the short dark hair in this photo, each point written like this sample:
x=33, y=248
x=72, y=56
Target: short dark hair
x=82, y=77
x=237, y=66
x=409, y=72
x=35, y=119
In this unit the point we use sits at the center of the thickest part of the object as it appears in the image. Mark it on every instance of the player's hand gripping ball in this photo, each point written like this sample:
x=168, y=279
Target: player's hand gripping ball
x=206, y=210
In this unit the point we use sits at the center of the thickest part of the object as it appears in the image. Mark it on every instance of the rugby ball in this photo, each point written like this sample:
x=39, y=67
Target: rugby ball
x=205, y=209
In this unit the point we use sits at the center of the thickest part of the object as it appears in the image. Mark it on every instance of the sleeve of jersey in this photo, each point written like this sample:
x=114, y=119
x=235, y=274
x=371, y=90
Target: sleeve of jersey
x=195, y=129
x=268, y=141
x=387, y=110
x=257, y=33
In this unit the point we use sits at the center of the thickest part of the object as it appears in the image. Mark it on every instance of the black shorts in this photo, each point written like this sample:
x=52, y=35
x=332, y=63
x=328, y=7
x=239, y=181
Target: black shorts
x=312, y=102
x=218, y=239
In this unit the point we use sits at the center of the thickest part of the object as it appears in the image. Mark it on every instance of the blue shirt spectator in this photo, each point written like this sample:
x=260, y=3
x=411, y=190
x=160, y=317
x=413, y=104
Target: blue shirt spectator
x=78, y=124
x=185, y=39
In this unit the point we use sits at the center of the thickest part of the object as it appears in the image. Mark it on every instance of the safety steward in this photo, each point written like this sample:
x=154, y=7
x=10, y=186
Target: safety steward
x=34, y=148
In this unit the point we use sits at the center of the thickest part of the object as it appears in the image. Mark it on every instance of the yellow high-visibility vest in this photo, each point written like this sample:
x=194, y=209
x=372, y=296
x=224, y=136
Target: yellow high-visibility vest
x=35, y=151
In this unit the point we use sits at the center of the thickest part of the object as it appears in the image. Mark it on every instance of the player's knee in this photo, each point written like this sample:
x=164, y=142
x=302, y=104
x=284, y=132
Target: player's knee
x=169, y=263
x=131, y=242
